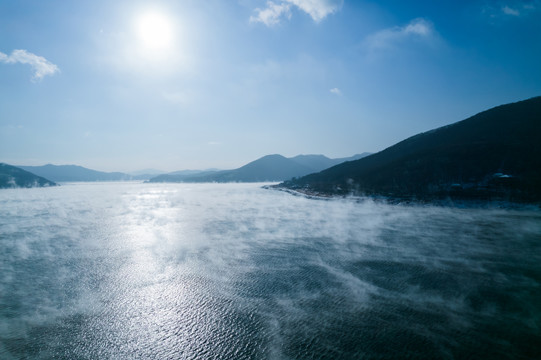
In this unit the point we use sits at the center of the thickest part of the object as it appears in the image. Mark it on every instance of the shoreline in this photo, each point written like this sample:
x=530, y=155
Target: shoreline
x=412, y=201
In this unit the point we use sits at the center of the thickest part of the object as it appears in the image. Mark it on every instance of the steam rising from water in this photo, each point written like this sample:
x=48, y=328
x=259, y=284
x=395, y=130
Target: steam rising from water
x=111, y=270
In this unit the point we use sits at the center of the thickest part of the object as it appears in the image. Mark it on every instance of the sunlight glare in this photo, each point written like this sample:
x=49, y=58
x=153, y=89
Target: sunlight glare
x=154, y=31
x=155, y=43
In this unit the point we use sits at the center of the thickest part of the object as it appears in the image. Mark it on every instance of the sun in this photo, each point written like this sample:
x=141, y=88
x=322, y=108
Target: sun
x=155, y=31
x=156, y=42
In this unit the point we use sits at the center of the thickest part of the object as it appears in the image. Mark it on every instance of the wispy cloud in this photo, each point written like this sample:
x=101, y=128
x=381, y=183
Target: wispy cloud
x=509, y=11
x=511, y=8
x=41, y=66
x=275, y=11
x=417, y=29
x=318, y=9
x=336, y=91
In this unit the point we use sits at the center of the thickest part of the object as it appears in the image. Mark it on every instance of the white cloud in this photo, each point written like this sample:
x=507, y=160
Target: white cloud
x=41, y=66
x=416, y=29
x=336, y=91
x=509, y=11
x=318, y=9
x=419, y=27
x=274, y=12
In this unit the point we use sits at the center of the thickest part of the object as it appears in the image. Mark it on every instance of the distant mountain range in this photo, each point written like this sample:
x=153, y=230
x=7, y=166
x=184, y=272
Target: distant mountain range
x=494, y=155
x=13, y=177
x=268, y=168
x=66, y=173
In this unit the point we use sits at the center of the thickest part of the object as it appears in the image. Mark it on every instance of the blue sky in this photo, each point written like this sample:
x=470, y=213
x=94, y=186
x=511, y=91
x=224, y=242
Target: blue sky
x=194, y=84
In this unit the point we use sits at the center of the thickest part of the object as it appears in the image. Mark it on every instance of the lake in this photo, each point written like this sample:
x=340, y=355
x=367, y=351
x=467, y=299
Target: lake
x=234, y=271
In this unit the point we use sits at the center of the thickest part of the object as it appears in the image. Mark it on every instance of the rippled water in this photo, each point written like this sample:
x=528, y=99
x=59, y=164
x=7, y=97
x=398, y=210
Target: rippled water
x=208, y=271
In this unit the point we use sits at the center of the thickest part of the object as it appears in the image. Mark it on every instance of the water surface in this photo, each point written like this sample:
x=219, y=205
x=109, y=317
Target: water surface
x=233, y=271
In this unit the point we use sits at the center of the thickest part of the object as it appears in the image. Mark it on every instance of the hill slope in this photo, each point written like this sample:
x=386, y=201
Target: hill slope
x=495, y=154
x=74, y=173
x=12, y=177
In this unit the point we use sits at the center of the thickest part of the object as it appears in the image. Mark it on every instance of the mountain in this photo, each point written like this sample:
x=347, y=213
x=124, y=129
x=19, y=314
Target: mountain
x=12, y=177
x=351, y=158
x=144, y=174
x=321, y=162
x=74, y=173
x=314, y=162
x=494, y=155
x=268, y=168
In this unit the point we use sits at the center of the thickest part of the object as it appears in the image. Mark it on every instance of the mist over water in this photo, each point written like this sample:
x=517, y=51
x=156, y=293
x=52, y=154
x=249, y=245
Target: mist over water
x=233, y=271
